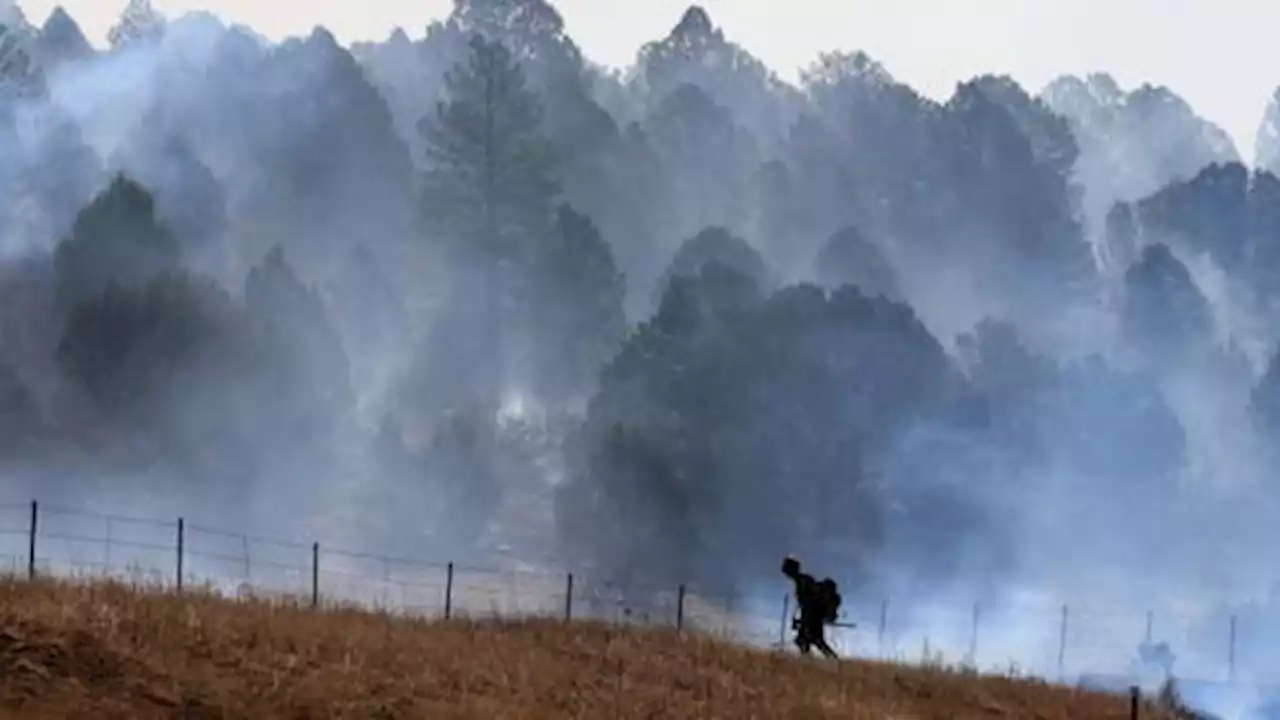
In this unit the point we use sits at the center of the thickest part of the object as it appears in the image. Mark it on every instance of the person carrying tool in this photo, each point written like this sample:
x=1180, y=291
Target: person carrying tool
x=819, y=605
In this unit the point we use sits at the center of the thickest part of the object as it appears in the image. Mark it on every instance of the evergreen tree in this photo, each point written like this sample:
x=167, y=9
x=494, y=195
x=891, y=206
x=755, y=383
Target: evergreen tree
x=849, y=258
x=1165, y=315
x=696, y=52
x=139, y=22
x=1016, y=210
x=312, y=94
x=22, y=78
x=578, y=319
x=490, y=183
x=488, y=193
x=125, y=343
x=291, y=319
x=61, y=40
x=722, y=428
x=716, y=245
x=116, y=239
x=1208, y=213
x=708, y=159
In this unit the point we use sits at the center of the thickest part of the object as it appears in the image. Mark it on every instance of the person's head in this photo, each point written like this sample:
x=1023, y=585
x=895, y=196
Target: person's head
x=790, y=566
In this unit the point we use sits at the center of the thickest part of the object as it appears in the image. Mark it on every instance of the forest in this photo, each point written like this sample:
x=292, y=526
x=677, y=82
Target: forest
x=473, y=293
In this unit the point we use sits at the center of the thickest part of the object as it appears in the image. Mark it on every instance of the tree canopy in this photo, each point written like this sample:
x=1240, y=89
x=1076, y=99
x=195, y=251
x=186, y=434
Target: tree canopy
x=663, y=323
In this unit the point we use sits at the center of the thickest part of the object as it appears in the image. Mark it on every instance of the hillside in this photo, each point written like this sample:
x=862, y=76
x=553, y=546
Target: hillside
x=106, y=651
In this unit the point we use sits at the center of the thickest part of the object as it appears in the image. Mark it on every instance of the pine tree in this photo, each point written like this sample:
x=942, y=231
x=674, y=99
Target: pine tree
x=117, y=239
x=579, y=318
x=138, y=22
x=489, y=190
x=21, y=76
x=490, y=183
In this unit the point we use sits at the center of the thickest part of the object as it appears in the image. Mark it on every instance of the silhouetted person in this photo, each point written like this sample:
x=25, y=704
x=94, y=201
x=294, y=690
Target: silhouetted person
x=814, y=602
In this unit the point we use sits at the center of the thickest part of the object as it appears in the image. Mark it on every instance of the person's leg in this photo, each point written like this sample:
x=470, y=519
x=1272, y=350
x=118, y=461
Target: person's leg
x=802, y=640
x=804, y=646
x=818, y=637
x=810, y=639
x=826, y=649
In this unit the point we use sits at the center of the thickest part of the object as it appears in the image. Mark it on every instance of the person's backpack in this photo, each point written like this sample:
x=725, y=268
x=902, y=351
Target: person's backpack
x=829, y=592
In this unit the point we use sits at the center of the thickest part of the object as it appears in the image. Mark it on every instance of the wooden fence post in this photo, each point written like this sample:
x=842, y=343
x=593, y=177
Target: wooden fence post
x=884, y=626
x=786, y=613
x=181, y=533
x=315, y=575
x=448, y=592
x=973, y=634
x=1062, y=645
x=568, y=598
x=31, y=541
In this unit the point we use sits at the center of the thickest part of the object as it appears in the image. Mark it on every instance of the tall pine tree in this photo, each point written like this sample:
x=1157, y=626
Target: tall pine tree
x=489, y=190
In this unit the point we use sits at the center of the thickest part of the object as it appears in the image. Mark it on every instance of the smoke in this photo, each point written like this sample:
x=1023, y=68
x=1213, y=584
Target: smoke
x=271, y=282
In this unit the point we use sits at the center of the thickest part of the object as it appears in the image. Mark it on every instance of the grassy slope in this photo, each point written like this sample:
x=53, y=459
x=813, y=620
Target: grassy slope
x=105, y=651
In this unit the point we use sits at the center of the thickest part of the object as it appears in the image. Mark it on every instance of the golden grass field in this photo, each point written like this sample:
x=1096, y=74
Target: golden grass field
x=105, y=650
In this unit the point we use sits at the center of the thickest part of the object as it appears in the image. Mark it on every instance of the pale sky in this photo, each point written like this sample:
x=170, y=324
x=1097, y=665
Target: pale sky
x=1220, y=55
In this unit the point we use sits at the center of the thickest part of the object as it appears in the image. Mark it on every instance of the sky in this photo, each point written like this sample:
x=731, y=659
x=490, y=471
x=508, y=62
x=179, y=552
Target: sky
x=1217, y=55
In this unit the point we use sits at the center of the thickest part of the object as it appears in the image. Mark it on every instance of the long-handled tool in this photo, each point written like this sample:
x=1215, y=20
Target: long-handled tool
x=795, y=622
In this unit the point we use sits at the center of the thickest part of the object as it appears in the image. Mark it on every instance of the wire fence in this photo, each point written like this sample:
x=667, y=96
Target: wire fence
x=1057, y=642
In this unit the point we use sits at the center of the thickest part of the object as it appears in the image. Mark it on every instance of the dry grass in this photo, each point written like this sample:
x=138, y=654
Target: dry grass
x=94, y=650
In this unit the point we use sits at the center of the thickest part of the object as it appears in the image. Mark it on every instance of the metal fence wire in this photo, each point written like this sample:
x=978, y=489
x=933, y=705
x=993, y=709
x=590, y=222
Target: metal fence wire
x=1057, y=642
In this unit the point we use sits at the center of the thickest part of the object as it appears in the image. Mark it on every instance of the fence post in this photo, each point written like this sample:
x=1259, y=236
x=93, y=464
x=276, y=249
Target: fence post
x=973, y=634
x=1231, y=653
x=181, y=533
x=1134, y=695
x=1062, y=645
x=884, y=624
x=448, y=591
x=31, y=541
x=568, y=598
x=106, y=548
x=315, y=575
x=782, y=627
x=680, y=609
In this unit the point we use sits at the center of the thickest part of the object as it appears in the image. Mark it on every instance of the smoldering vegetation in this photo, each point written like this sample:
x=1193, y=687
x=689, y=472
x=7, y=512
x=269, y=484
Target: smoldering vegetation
x=471, y=293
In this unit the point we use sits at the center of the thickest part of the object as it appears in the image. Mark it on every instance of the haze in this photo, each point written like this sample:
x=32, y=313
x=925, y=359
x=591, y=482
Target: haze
x=463, y=296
